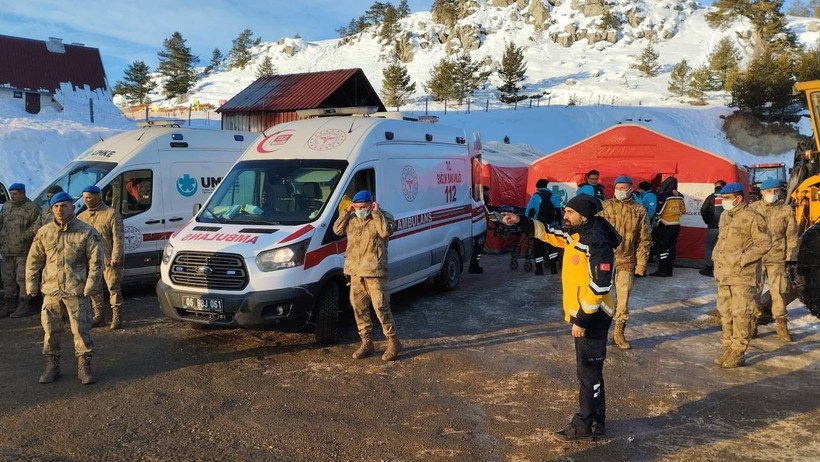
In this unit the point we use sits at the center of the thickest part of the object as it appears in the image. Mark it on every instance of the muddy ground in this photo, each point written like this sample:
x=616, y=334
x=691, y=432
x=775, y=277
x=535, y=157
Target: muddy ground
x=488, y=374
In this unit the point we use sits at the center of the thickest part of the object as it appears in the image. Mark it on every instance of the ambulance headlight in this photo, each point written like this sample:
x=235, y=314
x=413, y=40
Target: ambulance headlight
x=167, y=253
x=283, y=257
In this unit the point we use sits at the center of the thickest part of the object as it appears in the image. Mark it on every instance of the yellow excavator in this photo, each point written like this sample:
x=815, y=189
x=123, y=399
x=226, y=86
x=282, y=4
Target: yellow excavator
x=804, y=196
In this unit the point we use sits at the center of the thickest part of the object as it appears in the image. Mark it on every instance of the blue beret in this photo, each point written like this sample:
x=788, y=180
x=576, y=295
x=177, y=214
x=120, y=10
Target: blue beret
x=17, y=187
x=623, y=179
x=771, y=183
x=732, y=188
x=363, y=196
x=60, y=197
x=93, y=189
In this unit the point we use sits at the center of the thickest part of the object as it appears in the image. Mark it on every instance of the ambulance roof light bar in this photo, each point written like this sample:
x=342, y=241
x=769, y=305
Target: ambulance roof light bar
x=336, y=111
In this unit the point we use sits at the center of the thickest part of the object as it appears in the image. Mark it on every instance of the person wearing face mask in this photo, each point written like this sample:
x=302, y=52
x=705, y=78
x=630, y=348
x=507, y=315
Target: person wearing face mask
x=589, y=243
x=629, y=219
x=710, y=212
x=65, y=265
x=742, y=242
x=782, y=228
x=368, y=228
x=18, y=225
x=108, y=223
x=671, y=208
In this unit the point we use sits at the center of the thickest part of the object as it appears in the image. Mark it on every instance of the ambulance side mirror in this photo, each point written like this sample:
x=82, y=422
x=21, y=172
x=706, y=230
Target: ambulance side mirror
x=197, y=208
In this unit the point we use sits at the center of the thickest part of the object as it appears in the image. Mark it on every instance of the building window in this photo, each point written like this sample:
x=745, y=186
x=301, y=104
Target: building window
x=18, y=94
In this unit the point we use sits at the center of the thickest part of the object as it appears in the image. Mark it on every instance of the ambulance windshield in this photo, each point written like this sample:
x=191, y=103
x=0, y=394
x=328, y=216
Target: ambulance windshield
x=274, y=192
x=76, y=176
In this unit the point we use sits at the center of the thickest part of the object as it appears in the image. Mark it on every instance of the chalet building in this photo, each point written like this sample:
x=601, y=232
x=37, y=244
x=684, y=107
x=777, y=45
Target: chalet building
x=274, y=100
x=33, y=71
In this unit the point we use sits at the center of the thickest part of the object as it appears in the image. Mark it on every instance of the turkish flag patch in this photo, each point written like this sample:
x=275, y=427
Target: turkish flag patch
x=605, y=267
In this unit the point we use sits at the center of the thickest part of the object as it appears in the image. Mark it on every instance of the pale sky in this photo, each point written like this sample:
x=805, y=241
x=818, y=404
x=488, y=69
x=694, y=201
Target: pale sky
x=126, y=31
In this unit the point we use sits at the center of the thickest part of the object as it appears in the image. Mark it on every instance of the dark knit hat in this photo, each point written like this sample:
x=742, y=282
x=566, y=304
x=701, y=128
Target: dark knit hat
x=54, y=189
x=587, y=206
x=644, y=186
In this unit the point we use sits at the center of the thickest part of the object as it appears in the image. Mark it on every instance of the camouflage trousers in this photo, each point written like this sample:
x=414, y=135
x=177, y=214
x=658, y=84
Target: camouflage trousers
x=79, y=316
x=112, y=276
x=778, y=288
x=623, y=286
x=363, y=293
x=736, y=305
x=14, y=276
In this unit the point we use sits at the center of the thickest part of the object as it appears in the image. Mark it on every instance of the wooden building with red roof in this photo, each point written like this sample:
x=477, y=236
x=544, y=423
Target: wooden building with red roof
x=34, y=70
x=273, y=100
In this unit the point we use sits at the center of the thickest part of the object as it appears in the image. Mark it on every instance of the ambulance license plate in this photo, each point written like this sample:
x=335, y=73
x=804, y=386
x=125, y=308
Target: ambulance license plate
x=202, y=304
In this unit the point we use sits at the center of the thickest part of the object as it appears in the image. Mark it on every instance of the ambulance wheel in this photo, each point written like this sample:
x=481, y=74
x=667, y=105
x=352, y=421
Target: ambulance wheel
x=527, y=265
x=327, y=314
x=450, y=274
x=513, y=264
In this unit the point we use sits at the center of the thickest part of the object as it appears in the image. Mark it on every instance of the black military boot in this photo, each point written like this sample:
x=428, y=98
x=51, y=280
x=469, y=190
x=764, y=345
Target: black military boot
x=539, y=268
x=709, y=270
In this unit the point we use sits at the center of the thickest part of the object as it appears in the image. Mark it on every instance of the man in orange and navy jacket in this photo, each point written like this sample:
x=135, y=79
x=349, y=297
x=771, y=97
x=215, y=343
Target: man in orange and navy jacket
x=589, y=243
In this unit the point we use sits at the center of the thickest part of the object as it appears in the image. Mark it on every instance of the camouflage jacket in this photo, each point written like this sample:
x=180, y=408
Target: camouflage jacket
x=366, y=254
x=46, y=216
x=70, y=258
x=18, y=224
x=782, y=228
x=629, y=219
x=742, y=243
x=108, y=223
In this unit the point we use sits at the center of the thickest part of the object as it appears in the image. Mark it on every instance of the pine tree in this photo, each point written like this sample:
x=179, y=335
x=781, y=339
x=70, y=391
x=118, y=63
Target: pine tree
x=647, y=62
x=679, y=79
x=724, y=61
x=441, y=85
x=609, y=20
x=468, y=77
x=390, y=25
x=136, y=83
x=445, y=12
x=266, y=68
x=808, y=65
x=176, y=63
x=765, y=87
x=766, y=16
x=375, y=13
x=216, y=61
x=699, y=82
x=512, y=71
x=403, y=9
x=240, y=54
x=396, y=85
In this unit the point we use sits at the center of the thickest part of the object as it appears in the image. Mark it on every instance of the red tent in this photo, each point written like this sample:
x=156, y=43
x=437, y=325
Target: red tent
x=644, y=155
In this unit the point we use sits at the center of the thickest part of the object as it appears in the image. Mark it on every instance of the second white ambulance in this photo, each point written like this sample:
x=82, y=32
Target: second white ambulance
x=262, y=254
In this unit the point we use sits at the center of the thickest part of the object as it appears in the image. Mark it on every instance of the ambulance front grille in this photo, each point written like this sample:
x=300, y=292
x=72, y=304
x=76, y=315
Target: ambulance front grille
x=210, y=270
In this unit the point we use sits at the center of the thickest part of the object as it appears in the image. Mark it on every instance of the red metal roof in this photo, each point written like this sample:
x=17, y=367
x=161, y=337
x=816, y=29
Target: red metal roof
x=27, y=64
x=290, y=92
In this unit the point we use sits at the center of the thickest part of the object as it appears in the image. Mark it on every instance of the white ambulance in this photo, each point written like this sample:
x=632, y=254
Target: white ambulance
x=153, y=176
x=261, y=254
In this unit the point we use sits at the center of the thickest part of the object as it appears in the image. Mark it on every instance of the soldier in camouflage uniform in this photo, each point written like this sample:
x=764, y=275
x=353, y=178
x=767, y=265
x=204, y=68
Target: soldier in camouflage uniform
x=67, y=257
x=18, y=224
x=46, y=215
x=742, y=243
x=782, y=228
x=629, y=219
x=367, y=228
x=108, y=223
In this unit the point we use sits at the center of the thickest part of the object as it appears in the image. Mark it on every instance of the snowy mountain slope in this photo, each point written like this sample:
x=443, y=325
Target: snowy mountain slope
x=592, y=70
